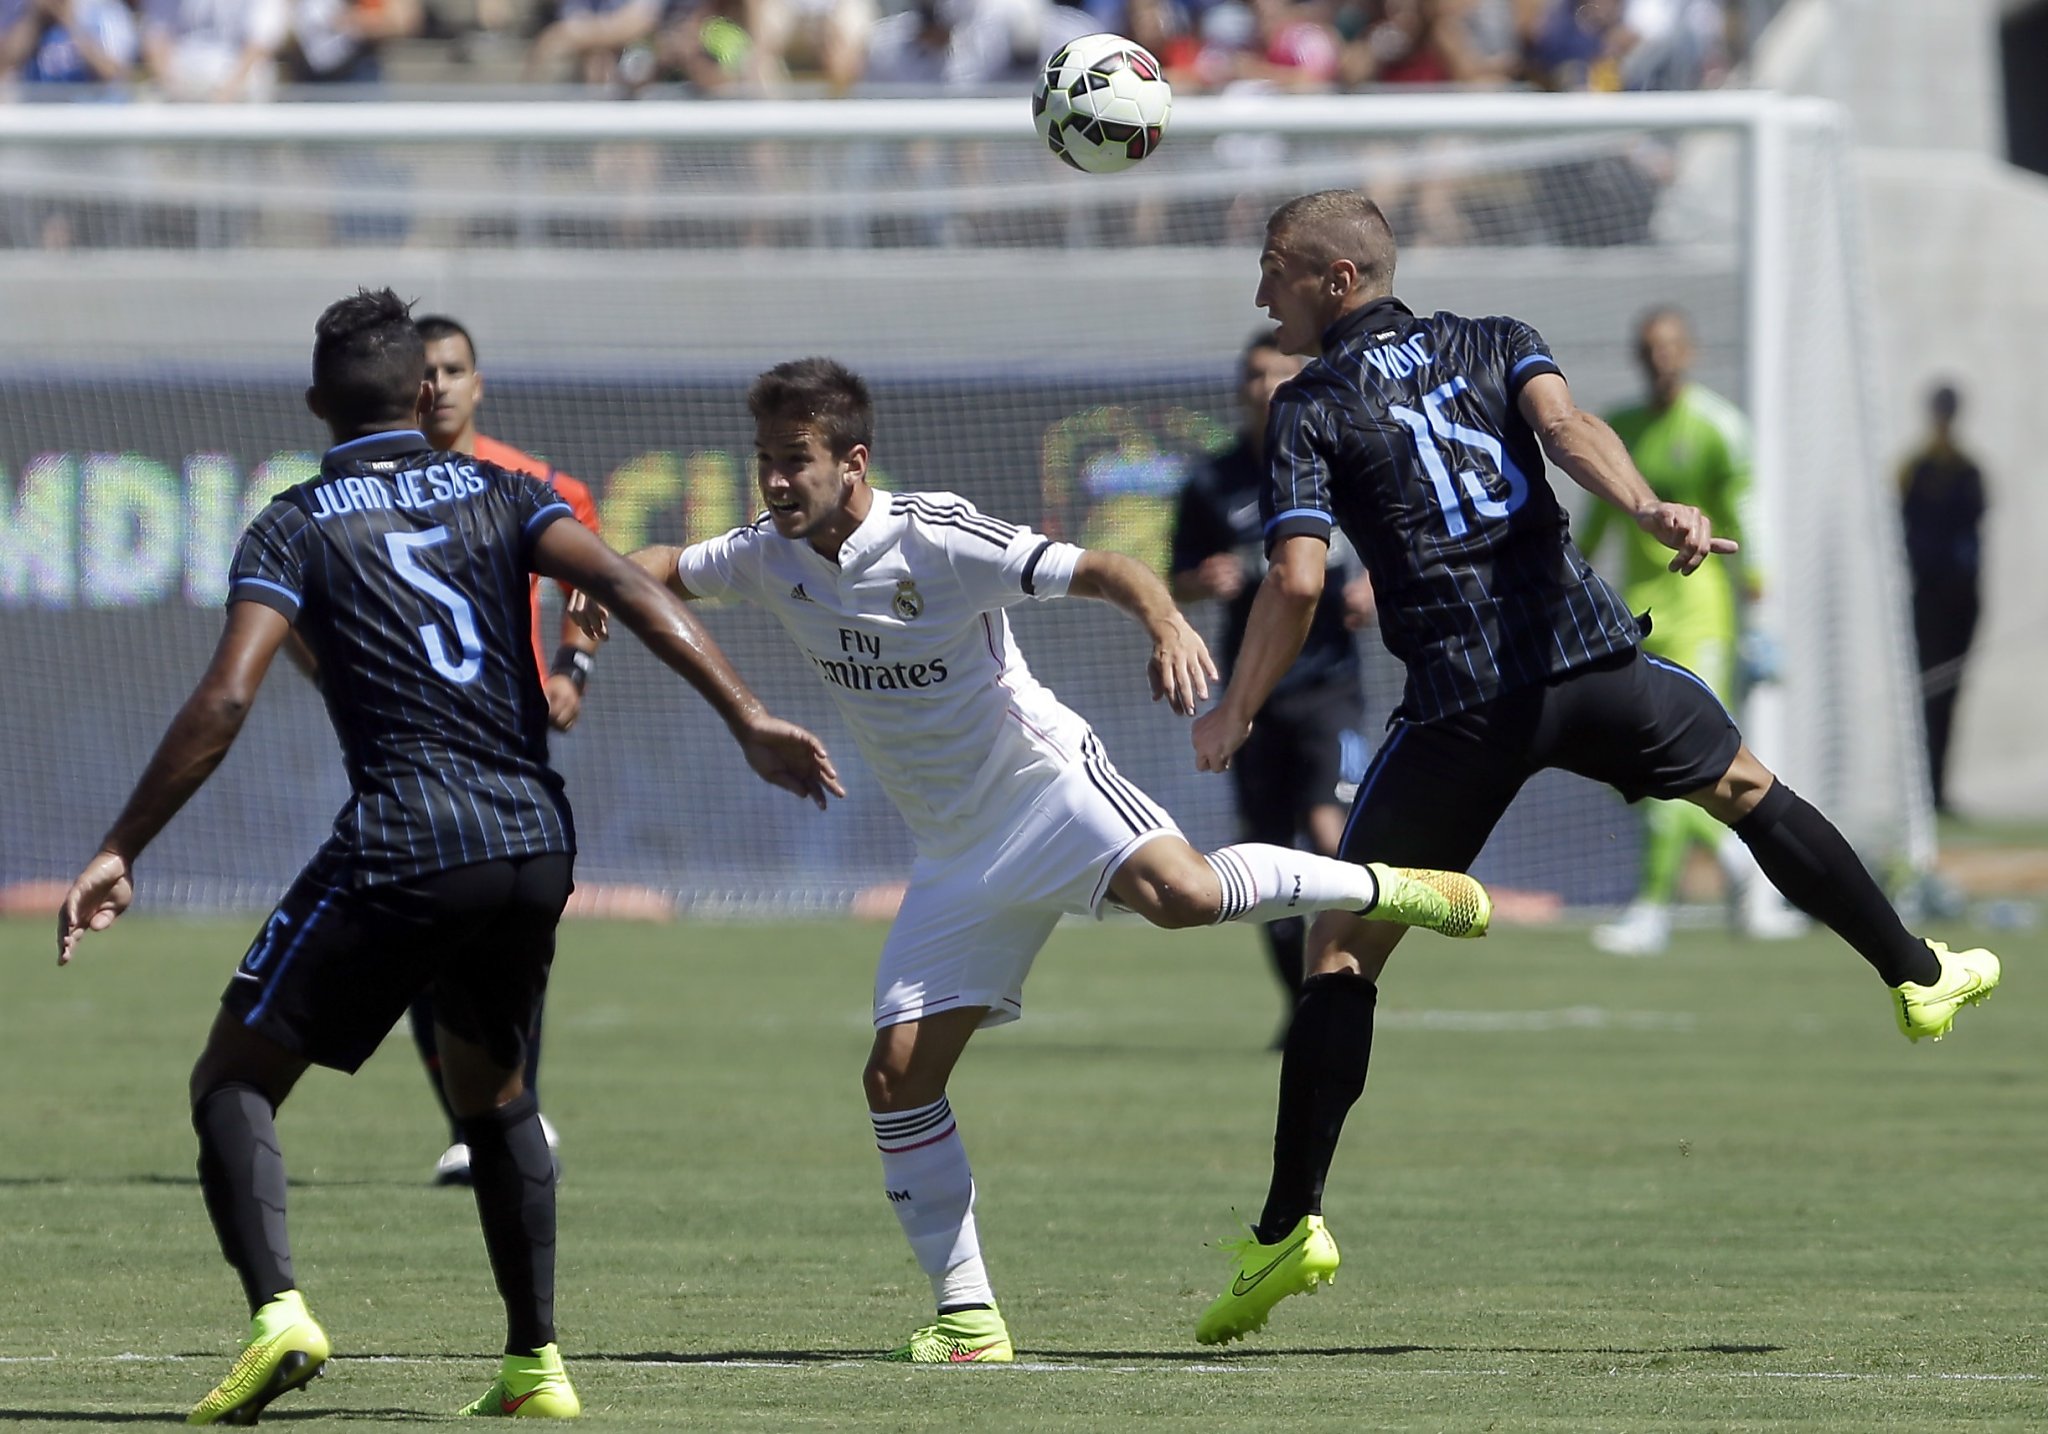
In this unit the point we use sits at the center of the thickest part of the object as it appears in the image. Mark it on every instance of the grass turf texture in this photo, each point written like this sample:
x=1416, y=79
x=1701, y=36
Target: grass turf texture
x=1712, y=1192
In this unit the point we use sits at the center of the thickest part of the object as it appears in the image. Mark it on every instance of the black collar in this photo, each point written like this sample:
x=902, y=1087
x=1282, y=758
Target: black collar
x=1379, y=311
x=371, y=447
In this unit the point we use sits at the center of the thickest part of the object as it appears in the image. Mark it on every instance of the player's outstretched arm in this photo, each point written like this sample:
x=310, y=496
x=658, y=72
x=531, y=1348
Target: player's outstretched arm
x=1273, y=634
x=1181, y=668
x=192, y=746
x=780, y=752
x=658, y=562
x=1597, y=460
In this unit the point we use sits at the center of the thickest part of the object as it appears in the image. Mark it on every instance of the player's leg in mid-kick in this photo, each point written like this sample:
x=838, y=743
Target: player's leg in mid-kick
x=1172, y=885
x=1812, y=865
x=1651, y=728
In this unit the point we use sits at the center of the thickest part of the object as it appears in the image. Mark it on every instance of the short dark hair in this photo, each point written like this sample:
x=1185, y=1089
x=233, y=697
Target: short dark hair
x=820, y=392
x=435, y=327
x=1259, y=342
x=1945, y=402
x=1334, y=224
x=368, y=361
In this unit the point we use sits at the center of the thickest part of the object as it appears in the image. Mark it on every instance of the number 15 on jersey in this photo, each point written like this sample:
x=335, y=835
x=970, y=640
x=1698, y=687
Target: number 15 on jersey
x=1441, y=443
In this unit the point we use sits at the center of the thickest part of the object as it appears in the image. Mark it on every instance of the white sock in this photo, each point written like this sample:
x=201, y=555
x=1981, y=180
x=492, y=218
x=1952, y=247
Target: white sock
x=931, y=1189
x=1262, y=882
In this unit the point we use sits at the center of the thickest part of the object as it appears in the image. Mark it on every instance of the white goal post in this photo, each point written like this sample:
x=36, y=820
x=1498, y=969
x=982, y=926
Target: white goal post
x=1061, y=347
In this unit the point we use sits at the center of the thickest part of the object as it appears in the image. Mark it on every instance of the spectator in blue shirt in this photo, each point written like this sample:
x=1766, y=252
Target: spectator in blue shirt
x=68, y=42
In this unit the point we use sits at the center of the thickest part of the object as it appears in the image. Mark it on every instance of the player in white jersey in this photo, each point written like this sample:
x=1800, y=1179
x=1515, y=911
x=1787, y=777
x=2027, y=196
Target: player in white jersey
x=1019, y=817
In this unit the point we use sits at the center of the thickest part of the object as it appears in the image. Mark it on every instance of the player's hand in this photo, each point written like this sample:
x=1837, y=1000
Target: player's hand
x=588, y=615
x=1686, y=531
x=785, y=755
x=1181, y=668
x=1217, y=736
x=101, y=893
x=565, y=703
x=1220, y=575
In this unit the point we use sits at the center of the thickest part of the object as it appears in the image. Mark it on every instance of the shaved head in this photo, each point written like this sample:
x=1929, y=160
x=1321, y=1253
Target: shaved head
x=1335, y=224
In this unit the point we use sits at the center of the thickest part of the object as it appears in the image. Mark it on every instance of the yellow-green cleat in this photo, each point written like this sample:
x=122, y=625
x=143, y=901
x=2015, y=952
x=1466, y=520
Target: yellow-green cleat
x=1928, y=1012
x=963, y=1337
x=528, y=1386
x=286, y=1349
x=1449, y=903
x=1267, y=1274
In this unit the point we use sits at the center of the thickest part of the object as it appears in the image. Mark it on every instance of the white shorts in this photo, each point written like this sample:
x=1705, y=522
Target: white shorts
x=971, y=924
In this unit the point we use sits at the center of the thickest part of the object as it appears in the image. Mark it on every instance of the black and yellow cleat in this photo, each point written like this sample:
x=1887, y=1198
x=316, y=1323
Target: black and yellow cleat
x=1929, y=1012
x=1295, y=1264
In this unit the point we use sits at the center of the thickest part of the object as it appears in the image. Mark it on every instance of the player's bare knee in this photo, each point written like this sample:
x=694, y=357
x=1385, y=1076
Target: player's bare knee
x=1738, y=791
x=1176, y=908
x=890, y=1086
x=482, y=1094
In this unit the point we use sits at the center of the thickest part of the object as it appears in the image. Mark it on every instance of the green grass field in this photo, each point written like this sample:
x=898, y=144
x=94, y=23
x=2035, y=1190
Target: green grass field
x=1712, y=1192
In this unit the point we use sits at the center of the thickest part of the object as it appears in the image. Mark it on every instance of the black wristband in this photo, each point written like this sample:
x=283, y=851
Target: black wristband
x=571, y=663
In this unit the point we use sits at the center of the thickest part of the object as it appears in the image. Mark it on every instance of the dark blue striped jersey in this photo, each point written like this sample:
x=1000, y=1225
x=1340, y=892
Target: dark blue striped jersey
x=1220, y=513
x=405, y=572
x=1405, y=434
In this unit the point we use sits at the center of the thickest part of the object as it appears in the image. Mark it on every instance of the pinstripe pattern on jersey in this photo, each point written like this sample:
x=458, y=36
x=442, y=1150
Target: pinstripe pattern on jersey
x=447, y=765
x=1491, y=602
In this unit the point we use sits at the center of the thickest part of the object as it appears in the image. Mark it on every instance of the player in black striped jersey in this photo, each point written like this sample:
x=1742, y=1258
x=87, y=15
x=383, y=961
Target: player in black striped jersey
x=405, y=572
x=1424, y=439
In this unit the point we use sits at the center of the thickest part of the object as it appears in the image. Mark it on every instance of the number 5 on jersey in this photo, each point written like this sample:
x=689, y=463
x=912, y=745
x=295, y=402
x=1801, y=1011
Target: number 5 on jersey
x=405, y=549
x=1437, y=436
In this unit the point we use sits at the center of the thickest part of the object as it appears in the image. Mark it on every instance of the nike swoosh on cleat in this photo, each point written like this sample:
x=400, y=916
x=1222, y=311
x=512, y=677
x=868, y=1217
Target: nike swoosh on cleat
x=968, y=1356
x=511, y=1406
x=1244, y=1285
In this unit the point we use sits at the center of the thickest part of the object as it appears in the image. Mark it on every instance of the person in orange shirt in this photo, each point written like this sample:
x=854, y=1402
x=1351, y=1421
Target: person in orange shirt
x=458, y=392
x=451, y=427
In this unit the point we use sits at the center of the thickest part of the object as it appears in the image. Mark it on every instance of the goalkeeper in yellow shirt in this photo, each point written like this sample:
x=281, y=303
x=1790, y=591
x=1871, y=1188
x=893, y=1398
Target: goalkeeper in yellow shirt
x=1692, y=445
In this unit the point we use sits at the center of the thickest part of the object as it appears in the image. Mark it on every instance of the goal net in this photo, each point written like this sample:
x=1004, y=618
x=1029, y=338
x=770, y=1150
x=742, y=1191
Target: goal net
x=1060, y=348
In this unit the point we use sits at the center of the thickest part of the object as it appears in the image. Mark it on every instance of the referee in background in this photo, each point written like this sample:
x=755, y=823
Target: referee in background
x=1286, y=775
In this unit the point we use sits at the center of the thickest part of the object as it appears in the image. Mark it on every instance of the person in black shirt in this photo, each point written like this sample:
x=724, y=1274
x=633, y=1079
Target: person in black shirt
x=404, y=571
x=1287, y=774
x=1424, y=440
x=1941, y=492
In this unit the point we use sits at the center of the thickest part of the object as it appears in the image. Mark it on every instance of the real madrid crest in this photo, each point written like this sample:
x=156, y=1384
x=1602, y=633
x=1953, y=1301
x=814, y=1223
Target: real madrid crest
x=908, y=602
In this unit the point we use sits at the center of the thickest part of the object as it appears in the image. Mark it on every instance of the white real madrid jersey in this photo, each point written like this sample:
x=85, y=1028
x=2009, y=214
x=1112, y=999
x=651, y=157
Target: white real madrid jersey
x=908, y=633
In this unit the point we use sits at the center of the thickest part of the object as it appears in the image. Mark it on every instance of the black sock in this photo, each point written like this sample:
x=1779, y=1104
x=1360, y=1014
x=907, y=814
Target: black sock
x=421, y=1019
x=1322, y=1075
x=1285, y=941
x=514, y=1179
x=241, y=1172
x=1810, y=862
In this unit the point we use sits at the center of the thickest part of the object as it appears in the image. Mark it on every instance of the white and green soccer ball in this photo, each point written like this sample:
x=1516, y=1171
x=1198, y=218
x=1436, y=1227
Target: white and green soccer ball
x=1102, y=103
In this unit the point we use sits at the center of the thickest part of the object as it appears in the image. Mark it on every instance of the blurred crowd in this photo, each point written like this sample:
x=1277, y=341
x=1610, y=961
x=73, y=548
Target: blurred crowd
x=237, y=50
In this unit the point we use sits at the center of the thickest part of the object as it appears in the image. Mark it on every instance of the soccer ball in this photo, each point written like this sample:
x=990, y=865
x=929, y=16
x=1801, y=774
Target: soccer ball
x=1101, y=104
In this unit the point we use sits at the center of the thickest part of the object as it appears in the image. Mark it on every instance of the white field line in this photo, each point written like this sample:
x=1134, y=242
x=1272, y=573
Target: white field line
x=1038, y=1367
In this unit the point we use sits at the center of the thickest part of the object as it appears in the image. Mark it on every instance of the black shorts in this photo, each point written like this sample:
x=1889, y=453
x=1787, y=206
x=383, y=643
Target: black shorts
x=1293, y=760
x=336, y=964
x=1641, y=724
